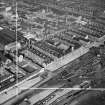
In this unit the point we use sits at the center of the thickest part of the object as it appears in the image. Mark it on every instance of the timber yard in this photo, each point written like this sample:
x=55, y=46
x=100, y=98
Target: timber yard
x=52, y=52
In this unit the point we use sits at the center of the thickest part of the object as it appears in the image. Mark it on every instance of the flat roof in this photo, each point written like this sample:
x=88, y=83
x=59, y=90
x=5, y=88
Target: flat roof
x=7, y=36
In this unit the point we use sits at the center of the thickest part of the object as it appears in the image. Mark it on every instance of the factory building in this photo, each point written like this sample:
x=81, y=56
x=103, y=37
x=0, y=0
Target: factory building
x=8, y=39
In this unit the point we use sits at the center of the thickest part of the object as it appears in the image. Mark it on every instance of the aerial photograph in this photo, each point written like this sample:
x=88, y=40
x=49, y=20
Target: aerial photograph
x=52, y=52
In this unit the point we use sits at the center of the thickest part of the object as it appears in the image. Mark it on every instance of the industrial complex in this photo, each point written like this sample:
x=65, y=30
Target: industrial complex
x=52, y=52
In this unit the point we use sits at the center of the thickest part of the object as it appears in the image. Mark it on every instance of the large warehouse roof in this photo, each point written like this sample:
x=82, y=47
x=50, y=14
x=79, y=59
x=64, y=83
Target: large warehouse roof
x=7, y=36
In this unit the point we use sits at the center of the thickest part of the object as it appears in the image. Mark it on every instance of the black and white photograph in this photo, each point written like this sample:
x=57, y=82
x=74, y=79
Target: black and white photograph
x=52, y=52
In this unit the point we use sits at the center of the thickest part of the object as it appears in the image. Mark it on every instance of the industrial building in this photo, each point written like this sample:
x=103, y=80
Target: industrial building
x=52, y=52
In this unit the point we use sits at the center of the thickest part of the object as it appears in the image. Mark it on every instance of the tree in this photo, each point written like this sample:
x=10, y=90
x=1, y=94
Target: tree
x=94, y=51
